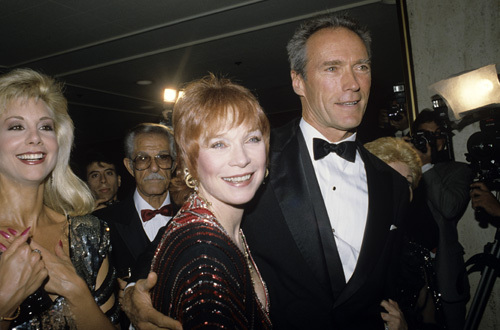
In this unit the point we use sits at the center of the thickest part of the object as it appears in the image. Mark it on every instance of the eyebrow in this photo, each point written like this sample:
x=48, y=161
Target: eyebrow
x=22, y=118
x=338, y=62
x=105, y=169
x=145, y=153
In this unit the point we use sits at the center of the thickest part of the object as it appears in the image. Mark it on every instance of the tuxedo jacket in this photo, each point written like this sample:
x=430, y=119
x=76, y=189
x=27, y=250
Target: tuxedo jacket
x=128, y=238
x=290, y=236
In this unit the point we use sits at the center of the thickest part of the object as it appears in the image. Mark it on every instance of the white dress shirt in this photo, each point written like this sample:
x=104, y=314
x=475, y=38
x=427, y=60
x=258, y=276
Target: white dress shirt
x=152, y=226
x=345, y=192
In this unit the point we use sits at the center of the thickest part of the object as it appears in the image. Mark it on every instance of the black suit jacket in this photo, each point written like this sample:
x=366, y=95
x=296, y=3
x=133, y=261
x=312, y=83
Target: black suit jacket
x=128, y=238
x=290, y=236
x=447, y=187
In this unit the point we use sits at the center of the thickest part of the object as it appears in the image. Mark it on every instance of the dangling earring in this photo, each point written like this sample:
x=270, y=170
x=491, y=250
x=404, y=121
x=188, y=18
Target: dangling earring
x=189, y=180
x=265, y=176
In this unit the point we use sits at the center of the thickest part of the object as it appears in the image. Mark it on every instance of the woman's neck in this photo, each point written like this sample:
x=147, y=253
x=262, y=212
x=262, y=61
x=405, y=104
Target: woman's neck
x=21, y=206
x=229, y=217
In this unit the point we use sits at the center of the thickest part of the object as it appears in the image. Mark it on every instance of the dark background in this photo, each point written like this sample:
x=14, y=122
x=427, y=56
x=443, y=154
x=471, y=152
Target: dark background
x=100, y=49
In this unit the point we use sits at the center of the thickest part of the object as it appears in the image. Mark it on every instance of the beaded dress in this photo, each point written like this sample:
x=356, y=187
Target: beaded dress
x=204, y=279
x=417, y=272
x=89, y=245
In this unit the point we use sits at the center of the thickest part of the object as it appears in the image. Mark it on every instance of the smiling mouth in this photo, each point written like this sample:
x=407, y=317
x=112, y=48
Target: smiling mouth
x=31, y=157
x=238, y=179
x=348, y=103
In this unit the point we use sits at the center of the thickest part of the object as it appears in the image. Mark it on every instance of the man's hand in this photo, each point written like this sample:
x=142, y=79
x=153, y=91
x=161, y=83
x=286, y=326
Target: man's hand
x=137, y=304
x=481, y=196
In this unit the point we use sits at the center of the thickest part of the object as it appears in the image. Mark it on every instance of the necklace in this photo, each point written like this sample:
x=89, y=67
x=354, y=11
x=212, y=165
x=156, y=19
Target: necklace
x=254, y=270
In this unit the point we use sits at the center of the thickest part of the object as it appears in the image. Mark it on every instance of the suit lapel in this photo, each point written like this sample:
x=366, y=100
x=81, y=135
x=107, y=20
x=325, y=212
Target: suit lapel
x=378, y=223
x=130, y=229
x=295, y=185
x=330, y=252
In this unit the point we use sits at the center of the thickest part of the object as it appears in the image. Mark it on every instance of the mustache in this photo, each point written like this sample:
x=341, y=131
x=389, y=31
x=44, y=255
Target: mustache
x=154, y=176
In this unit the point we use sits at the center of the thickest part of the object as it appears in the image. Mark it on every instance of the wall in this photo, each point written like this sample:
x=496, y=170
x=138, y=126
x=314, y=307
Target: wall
x=448, y=37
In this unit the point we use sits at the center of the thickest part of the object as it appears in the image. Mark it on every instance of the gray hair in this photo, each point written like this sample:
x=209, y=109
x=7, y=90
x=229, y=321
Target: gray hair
x=148, y=128
x=296, y=47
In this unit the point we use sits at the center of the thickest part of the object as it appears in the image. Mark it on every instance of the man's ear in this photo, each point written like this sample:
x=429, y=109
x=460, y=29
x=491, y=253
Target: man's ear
x=129, y=165
x=297, y=83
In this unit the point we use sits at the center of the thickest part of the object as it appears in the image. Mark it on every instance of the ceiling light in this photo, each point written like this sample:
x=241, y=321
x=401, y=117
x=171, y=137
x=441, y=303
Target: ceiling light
x=169, y=95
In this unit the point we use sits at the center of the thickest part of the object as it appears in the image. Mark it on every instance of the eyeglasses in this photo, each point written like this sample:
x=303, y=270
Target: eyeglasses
x=143, y=162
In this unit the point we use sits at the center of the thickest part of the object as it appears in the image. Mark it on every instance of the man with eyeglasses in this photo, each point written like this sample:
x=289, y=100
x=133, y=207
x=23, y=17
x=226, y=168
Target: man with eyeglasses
x=135, y=221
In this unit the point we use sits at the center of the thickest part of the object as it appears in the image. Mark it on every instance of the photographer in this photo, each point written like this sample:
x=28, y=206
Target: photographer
x=439, y=203
x=394, y=120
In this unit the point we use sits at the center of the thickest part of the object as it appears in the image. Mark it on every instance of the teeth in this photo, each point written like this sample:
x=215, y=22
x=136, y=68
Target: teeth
x=350, y=103
x=31, y=156
x=238, y=179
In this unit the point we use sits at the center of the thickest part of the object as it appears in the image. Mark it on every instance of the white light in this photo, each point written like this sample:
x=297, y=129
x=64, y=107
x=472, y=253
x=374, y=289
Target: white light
x=169, y=95
x=470, y=91
x=181, y=94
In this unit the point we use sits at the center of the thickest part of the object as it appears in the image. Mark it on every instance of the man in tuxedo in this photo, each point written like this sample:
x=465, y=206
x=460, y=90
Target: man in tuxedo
x=323, y=229
x=135, y=221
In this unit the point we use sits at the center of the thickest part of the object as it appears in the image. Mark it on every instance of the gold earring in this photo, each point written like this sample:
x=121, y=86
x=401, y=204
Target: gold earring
x=267, y=173
x=189, y=180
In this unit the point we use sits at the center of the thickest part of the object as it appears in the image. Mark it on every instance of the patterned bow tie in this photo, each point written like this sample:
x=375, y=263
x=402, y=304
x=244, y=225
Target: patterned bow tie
x=346, y=150
x=166, y=210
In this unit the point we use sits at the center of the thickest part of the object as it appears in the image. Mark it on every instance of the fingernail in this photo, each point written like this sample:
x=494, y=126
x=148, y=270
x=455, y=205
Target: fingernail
x=60, y=243
x=3, y=247
x=12, y=231
x=26, y=231
x=4, y=234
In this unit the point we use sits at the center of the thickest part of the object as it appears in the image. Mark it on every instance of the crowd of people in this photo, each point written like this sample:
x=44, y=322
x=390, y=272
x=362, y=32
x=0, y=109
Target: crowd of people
x=231, y=224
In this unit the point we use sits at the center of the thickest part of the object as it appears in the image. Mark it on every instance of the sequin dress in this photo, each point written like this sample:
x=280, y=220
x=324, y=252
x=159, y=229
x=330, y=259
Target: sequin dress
x=417, y=272
x=89, y=245
x=203, y=278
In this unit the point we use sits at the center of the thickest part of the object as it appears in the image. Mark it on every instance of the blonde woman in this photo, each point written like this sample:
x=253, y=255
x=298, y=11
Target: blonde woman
x=54, y=270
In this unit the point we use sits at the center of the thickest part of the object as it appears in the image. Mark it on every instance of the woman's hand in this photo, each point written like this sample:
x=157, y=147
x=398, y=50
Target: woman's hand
x=63, y=279
x=22, y=271
x=394, y=319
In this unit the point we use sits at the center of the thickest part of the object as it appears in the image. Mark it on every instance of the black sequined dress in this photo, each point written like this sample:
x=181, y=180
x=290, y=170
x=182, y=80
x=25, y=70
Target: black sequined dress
x=89, y=245
x=417, y=276
x=203, y=278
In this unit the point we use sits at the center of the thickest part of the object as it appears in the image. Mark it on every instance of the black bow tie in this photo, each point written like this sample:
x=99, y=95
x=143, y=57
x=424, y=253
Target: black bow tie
x=346, y=150
x=166, y=210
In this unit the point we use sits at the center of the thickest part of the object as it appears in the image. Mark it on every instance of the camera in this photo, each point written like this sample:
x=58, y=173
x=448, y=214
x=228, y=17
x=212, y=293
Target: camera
x=422, y=137
x=484, y=153
x=397, y=106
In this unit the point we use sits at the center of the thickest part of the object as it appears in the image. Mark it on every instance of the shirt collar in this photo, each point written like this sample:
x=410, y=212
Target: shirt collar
x=309, y=133
x=141, y=204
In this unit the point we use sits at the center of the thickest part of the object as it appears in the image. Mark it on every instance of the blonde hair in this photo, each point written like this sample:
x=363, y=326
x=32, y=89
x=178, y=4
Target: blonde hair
x=209, y=105
x=64, y=192
x=391, y=150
